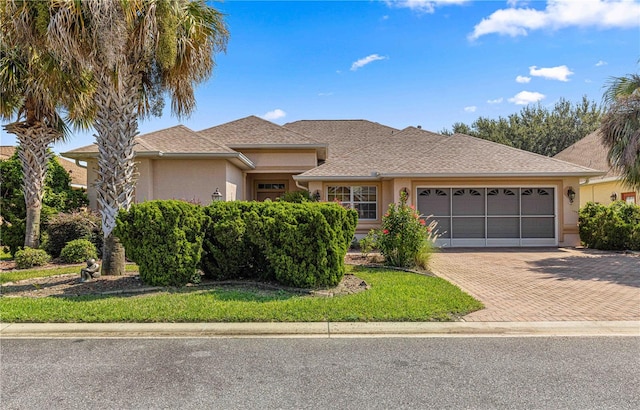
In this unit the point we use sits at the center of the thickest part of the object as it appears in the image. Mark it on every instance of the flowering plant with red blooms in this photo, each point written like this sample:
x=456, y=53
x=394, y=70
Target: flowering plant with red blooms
x=406, y=239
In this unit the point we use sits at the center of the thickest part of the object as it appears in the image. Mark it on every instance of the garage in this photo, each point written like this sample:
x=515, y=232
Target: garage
x=491, y=216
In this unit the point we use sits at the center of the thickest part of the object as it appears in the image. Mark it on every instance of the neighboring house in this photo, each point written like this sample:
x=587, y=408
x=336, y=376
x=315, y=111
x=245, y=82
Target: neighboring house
x=77, y=173
x=481, y=193
x=591, y=152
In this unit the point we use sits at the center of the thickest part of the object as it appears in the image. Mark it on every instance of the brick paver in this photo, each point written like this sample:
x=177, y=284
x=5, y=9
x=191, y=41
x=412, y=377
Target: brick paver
x=558, y=284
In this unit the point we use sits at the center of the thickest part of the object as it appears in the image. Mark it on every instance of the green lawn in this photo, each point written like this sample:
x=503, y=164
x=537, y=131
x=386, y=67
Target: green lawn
x=394, y=296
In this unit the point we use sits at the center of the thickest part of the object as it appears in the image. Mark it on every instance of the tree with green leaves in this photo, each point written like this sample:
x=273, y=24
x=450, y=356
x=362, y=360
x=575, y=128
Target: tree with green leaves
x=136, y=51
x=621, y=127
x=36, y=90
x=58, y=196
x=536, y=128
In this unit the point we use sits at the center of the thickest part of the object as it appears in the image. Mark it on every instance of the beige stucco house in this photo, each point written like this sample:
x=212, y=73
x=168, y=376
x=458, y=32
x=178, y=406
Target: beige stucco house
x=591, y=152
x=481, y=193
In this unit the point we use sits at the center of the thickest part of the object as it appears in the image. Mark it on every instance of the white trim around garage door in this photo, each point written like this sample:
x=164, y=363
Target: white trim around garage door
x=471, y=217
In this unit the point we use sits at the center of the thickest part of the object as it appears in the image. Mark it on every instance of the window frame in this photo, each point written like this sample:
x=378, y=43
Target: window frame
x=353, y=203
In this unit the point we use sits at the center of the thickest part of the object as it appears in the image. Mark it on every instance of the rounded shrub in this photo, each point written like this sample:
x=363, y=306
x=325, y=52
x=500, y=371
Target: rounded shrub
x=610, y=227
x=78, y=250
x=165, y=239
x=66, y=227
x=28, y=258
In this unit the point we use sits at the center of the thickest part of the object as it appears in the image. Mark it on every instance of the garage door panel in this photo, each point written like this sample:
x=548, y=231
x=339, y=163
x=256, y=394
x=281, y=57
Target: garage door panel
x=468, y=228
x=443, y=227
x=503, y=227
x=503, y=201
x=538, y=227
x=468, y=201
x=434, y=201
x=537, y=201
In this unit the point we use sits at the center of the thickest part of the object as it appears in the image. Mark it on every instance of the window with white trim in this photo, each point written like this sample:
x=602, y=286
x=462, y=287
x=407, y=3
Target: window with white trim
x=363, y=199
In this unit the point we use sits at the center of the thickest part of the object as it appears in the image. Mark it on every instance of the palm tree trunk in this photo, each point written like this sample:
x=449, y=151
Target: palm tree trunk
x=116, y=125
x=34, y=157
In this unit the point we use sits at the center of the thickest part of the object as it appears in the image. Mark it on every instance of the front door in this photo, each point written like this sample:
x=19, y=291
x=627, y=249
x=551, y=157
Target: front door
x=270, y=190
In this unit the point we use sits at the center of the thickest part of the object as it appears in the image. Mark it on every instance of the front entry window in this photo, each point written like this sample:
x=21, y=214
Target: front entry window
x=270, y=190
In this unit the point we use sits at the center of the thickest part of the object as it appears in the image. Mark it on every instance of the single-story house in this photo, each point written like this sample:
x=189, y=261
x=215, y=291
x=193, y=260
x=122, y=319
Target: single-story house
x=591, y=152
x=481, y=193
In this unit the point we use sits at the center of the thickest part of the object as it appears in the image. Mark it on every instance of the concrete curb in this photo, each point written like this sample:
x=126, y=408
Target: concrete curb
x=318, y=329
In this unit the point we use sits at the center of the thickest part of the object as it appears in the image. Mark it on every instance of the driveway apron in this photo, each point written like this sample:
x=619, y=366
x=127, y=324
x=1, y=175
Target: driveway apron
x=559, y=284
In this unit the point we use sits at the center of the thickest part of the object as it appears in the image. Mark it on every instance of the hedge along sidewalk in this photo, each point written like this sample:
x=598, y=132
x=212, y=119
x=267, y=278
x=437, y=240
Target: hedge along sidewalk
x=394, y=296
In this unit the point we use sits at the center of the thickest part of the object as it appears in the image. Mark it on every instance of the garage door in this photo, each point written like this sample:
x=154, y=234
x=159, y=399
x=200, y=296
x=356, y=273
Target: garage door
x=491, y=216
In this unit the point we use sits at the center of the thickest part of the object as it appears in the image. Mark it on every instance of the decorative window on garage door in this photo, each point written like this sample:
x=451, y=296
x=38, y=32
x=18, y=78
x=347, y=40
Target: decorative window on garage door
x=363, y=199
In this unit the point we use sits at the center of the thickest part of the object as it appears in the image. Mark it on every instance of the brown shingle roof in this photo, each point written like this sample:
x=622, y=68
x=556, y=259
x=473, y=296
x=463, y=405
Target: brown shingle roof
x=589, y=152
x=254, y=131
x=415, y=152
x=7, y=151
x=343, y=135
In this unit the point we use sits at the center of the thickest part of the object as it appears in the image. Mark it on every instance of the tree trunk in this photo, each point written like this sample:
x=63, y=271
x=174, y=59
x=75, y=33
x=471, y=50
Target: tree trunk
x=113, y=260
x=116, y=124
x=34, y=154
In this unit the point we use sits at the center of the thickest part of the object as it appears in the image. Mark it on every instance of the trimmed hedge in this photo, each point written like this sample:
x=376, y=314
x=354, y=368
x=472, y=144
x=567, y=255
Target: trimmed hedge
x=613, y=227
x=295, y=244
x=165, y=239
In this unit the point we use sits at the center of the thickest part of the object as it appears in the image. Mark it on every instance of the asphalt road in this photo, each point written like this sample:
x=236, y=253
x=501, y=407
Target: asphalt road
x=358, y=373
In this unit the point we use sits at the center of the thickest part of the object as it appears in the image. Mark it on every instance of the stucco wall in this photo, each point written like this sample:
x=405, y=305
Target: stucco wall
x=234, y=189
x=191, y=180
x=601, y=192
x=285, y=160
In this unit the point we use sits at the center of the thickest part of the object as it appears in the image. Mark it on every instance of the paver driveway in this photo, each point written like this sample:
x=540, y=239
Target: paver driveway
x=545, y=284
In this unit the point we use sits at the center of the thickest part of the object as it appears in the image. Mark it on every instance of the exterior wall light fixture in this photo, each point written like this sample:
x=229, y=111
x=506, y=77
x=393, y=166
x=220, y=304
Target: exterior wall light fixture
x=216, y=196
x=571, y=194
x=316, y=195
x=613, y=197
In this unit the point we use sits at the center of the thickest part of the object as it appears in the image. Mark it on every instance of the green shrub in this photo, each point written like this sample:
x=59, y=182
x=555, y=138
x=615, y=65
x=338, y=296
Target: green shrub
x=227, y=252
x=28, y=258
x=369, y=243
x=78, y=250
x=165, y=239
x=295, y=244
x=305, y=244
x=66, y=227
x=612, y=227
x=404, y=235
x=298, y=197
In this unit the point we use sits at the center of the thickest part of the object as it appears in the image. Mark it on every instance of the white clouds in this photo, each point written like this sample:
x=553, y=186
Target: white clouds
x=526, y=97
x=367, y=60
x=522, y=79
x=560, y=14
x=560, y=73
x=471, y=108
x=423, y=6
x=325, y=94
x=601, y=63
x=496, y=101
x=274, y=115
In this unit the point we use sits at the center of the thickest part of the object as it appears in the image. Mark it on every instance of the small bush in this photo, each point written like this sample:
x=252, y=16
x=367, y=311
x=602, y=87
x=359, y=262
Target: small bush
x=404, y=236
x=28, y=258
x=165, y=239
x=612, y=227
x=66, y=227
x=369, y=243
x=78, y=250
x=298, y=197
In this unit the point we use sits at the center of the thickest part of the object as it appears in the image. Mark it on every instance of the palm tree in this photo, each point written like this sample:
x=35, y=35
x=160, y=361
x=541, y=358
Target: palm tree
x=137, y=51
x=35, y=88
x=621, y=127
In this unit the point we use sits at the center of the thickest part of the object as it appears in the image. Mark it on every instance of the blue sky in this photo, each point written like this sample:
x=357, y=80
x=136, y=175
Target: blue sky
x=401, y=63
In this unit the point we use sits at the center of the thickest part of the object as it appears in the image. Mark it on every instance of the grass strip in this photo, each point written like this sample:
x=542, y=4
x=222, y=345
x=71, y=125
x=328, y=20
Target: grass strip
x=394, y=296
x=22, y=274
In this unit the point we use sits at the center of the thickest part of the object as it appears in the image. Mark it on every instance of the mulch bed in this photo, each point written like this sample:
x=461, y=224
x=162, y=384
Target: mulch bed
x=69, y=285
